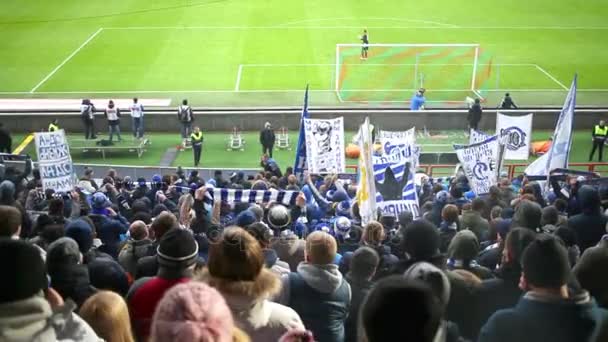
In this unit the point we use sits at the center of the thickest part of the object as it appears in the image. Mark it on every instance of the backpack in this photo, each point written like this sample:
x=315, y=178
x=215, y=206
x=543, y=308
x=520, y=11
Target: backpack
x=184, y=112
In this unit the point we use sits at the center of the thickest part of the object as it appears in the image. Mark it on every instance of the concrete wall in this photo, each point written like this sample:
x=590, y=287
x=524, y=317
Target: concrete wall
x=253, y=120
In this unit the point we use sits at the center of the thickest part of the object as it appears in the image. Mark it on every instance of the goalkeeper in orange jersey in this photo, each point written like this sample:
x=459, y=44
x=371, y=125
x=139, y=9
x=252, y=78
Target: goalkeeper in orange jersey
x=365, y=44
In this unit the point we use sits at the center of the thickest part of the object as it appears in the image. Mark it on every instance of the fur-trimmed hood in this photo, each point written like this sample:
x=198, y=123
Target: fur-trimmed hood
x=266, y=285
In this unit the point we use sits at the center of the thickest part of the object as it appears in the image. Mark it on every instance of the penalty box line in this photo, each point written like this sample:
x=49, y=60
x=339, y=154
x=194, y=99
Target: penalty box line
x=67, y=59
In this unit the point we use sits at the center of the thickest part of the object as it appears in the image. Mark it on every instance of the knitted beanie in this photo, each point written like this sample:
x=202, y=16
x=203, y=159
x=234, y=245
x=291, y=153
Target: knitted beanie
x=192, y=311
x=23, y=270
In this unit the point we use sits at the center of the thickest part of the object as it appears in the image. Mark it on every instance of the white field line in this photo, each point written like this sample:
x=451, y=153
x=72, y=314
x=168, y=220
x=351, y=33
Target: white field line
x=384, y=64
x=564, y=28
x=478, y=94
x=288, y=24
x=67, y=59
x=238, y=78
x=205, y=91
x=551, y=77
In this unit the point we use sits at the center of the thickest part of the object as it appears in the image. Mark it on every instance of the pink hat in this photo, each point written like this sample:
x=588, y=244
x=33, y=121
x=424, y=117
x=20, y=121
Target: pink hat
x=192, y=312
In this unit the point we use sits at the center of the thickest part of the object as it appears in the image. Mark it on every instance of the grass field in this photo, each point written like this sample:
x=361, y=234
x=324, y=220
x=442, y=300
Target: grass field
x=215, y=154
x=253, y=52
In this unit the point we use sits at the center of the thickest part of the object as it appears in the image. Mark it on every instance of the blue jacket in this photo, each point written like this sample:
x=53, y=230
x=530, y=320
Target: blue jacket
x=109, y=232
x=417, y=102
x=535, y=319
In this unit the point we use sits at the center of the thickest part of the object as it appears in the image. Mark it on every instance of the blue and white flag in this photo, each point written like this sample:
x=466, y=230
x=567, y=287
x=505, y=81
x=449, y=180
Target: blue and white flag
x=394, y=172
x=481, y=163
x=284, y=197
x=515, y=133
x=54, y=161
x=300, y=163
x=557, y=157
x=476, y=136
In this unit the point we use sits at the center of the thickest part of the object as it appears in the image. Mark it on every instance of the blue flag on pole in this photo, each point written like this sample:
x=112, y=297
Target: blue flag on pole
x=300, y=162
x=557, y=157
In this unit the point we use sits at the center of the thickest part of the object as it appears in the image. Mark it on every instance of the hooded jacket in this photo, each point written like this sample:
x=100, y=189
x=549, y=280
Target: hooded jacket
x=33, y=320
x=590, y=225
x=321, y=296
x=131, y=252
x=73, y=282
x=590, y=271
x=251, y=308
x=472, y=220
x=462, y=252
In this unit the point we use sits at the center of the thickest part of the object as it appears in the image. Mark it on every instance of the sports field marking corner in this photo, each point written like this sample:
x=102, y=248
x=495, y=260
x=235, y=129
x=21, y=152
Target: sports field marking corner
x=91, y=37
x=551, y=77
x=238, y=77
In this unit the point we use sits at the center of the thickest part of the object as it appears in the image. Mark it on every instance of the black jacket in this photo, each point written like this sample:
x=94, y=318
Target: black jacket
x=474, y=114
x=72, y=282
x=267, y=137
x=590, y=225
x=359, y=290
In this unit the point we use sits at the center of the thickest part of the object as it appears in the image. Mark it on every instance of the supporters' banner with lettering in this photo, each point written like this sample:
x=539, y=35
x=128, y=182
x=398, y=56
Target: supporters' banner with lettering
x=515, y=133
x=558, y=154
x=300, y=162
x=366, y=189
x=476, y=136
x=325, y=145
x=481, y=163
x=54, y=161
x=394, y=172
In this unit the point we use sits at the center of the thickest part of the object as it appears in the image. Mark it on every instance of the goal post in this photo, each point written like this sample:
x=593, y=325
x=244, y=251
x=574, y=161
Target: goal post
x=393, y=72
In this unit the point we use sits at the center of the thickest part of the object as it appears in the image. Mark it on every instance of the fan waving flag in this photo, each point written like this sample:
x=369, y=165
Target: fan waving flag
x=557, y=157
x=300, y=163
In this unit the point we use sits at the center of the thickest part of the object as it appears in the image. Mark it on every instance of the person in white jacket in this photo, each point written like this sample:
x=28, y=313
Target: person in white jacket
x=137, y=116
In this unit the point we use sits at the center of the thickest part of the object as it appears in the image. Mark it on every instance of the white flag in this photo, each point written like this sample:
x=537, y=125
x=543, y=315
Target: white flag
x=54, y=161
x=558, y=154
x=515, y=132
x=366, y=190
x=476, y=136
x=481, y=163
x=325, y=145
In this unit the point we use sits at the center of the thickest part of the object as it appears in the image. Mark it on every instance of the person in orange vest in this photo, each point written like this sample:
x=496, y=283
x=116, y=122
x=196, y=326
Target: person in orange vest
x=599, y=133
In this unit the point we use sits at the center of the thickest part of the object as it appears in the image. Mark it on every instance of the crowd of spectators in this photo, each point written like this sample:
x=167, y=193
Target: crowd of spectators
x=161, y=260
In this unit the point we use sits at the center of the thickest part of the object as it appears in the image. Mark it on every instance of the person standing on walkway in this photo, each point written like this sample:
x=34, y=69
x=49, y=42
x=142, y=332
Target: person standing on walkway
x=87, y=114
x=112, y=113
x=185, y=117
x=137, y=115
x=474, y=115
x=197, y=144
x=267, y=139
x=507, y=102
x=6, y=141
x=599, y=134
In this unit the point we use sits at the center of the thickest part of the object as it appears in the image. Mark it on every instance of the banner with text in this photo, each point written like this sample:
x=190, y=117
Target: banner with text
x=515, y=133
x=325, y=145
x=54, y=161
x=481, y=163
x=394, y=172
x=476, y=136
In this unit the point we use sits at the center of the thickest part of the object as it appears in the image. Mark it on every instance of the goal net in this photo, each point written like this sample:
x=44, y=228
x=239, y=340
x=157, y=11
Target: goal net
x=393, y=72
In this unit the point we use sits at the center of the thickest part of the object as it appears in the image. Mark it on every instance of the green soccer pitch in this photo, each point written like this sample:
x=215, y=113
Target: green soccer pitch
x=253, y=52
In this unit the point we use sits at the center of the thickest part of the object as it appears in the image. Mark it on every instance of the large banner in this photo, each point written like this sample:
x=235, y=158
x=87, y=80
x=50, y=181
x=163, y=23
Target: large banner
x=325, y=145
x=54, y=161
x=515, y=133
x=394, y=172
x=366, y=189
x=476, y=136
x=481, y=163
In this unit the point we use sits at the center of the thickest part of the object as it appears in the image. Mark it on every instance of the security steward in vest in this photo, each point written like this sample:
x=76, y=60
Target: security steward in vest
x=600, y=133
x=54, y=126
x=197, y=144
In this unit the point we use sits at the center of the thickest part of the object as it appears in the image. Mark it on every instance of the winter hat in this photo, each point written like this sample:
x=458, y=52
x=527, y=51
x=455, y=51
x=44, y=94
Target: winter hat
x=364, y=262
x=503, y=227
x=507, y=213
x=337, y=195
x=405, y=217
x=388, y=221
x=81, y=232
x=23, y=270
x=7, y=192
x=157, y=179
x=470, y=195
x=421, y=240
x=545, y=262
x=245, y=218
x=442, y=197
x=342, y=226
x=550, y=215
x=62, y=252
x=193, y=311
x=433, y=277
x=279, y=217
x=100, y=201
x=257, y=211
x=528, y=215
x=106, y=274
x=464, y=246
x=177, y=249
x=159, y=208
